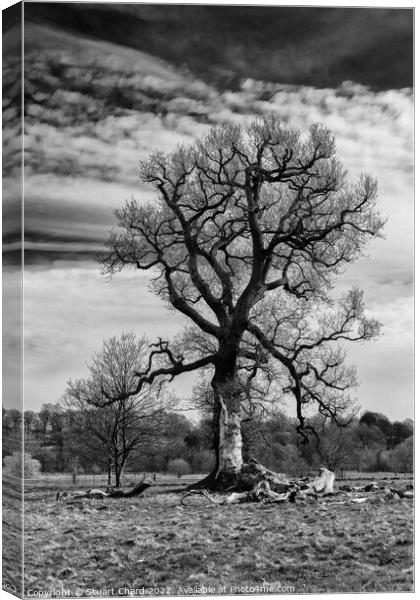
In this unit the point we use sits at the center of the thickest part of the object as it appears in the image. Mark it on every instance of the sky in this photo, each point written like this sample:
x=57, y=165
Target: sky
x=96, y=107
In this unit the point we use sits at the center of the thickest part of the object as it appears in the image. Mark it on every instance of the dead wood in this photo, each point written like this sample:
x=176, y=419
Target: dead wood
x=324, y=483
x=402, y=493
x=254, y=472
x=98, y=494
x=359, y=500
x=130, y=492
x=251, y=473
x=197, y=493
x=256, y=483
x=237, y=498
x=266, y=486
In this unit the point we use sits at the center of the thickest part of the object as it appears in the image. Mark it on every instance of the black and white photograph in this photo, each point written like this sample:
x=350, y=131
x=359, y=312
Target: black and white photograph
x=208, y=303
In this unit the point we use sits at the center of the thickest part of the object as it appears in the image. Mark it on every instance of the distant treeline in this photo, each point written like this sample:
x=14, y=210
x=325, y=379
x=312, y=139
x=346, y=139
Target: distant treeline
x=60, y=440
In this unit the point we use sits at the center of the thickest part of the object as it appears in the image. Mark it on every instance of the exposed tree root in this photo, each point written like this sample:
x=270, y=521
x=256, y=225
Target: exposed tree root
x=207, y=483
x=258, y=484
x=254, y=472
x=196, y=493
x=260, y=493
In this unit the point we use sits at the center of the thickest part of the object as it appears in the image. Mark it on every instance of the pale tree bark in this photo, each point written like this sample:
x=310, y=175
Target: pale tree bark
x=230, y=443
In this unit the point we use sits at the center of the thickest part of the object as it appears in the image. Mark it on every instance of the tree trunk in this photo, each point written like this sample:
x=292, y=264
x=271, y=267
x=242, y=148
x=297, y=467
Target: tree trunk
x=230, y=445
x=122, y=469
x=230, y=471
x=109, y=472
x=216, y=436
x=227, y=438
x=117, y=472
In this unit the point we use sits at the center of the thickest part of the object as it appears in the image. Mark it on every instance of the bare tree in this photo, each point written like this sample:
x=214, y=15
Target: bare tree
x=337, y=447
x=44, y=417
x=245, y=238
x=121, y=426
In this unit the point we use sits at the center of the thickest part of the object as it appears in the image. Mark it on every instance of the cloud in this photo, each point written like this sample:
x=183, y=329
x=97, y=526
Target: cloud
x=77, y=170
x=373, y=133
x=318, y=46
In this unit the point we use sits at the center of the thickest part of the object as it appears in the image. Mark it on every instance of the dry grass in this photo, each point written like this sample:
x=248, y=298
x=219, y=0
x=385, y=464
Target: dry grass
x=109, y=548
x=12, y=513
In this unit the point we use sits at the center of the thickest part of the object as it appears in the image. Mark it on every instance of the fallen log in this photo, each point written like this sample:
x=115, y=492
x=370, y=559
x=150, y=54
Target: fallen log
x=359, y=500
x=98, y=494
x=237, y=498
x=262, y=492
x=254, y=472
x=80, y=494
x=402, y=493
x=130, y=492
x=370, y=487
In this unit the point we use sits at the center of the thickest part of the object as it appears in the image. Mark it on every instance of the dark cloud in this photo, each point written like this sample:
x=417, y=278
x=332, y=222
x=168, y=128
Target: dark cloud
x=310, y=46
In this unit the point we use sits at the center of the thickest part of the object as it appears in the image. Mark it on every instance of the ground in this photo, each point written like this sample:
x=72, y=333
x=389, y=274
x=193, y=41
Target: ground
x=133, y=546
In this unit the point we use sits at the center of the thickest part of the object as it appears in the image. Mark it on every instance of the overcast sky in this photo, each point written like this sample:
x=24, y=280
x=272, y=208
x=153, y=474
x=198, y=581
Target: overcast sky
x=82, y=155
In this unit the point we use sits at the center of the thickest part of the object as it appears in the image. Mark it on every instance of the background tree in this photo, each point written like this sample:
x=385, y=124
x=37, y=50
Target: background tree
x=44, y=417
x=401, y=431
x=30, y=419
x=248, y=231
x=179, y=467
x=80, y=446
x=374, y=419
x=402, y=456
x=336, y=446
x=11, y=431
x=199, y=445
x=119, y=422
x=271, y=438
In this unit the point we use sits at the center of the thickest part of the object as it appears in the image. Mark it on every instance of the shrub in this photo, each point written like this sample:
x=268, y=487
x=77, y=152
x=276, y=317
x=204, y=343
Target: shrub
x=13, y=465
x=179, y=467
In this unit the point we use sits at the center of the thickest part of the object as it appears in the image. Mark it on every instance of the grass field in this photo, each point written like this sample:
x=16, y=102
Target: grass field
x=151, y=545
